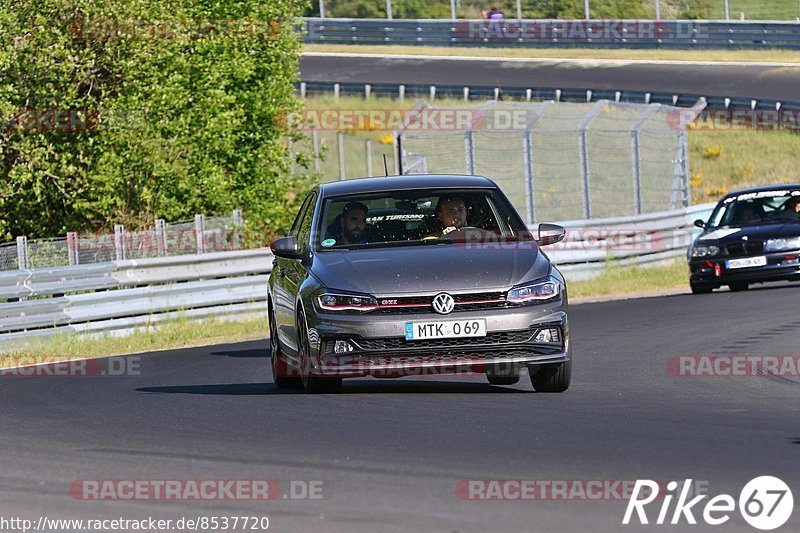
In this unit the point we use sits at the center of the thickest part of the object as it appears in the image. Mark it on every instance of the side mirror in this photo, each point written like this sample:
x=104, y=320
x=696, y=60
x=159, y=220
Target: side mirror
x=286, y=247
x=700, y=224
x=550, y=234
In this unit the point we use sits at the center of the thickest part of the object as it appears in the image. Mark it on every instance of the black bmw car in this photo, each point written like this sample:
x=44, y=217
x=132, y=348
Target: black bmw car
x=752, y=236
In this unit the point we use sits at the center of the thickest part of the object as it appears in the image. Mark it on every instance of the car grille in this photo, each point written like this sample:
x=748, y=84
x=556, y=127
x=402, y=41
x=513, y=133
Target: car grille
x=423, y=304
x=745, y=248
x=394, y=343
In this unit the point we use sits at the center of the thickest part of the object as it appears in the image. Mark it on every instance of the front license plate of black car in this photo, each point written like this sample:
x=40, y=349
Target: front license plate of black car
x=451, y=329
x=746, y=262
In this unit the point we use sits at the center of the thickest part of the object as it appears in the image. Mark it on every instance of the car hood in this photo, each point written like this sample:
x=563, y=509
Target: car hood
x=730, y=235
x=426, y=269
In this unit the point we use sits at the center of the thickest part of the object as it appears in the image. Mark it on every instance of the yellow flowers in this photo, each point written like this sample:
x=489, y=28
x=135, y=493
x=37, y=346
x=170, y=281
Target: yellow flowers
x=387, y=138
x=713, y=152
x=696, y=179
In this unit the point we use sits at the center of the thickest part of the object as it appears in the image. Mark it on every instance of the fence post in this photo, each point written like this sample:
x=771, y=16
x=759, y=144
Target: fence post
x=368, y=153
x=453, y=9
x=584, y=154
x=322, y=9
x=72, y=248
x=469, y=151
x=587, y=14
x=22, y=253
x=684, y=162
x=367, y=91
x=119, y=242
x=161, y=237
x=238, y=224
x=527, y=151
x=636, y=159
x=727, y=11
x=199, y=232
x=315, y=141
x=658, y=9
x=388, y=9
x=401, y=92
x=336, y=91
x=433, y=93
x=303, y=89
x=340, y=143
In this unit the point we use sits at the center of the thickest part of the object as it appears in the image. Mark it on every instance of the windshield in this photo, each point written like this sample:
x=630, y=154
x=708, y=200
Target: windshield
x=757, y=208
x=419, y=217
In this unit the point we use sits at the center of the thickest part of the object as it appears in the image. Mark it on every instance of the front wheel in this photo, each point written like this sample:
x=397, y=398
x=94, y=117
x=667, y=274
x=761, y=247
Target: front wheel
x=280, y=370
x=311, y=383
x=554, y=377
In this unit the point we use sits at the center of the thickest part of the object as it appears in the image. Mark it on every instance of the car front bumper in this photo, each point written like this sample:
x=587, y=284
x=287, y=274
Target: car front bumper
x=380, y=348
x=713, y=272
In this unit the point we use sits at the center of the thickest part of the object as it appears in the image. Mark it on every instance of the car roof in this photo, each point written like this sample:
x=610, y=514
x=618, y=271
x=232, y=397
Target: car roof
x=781, y=187
x=401, y=183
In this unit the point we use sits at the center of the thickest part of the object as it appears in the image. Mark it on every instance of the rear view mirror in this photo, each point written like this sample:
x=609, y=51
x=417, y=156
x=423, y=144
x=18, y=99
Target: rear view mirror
x=286, y=247
x=700, y=224
x=550, y=234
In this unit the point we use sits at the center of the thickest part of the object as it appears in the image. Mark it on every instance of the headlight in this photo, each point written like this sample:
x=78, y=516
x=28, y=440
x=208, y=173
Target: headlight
x=701, y=250
x=336, y=301
x=536, y=292
x=777, y=245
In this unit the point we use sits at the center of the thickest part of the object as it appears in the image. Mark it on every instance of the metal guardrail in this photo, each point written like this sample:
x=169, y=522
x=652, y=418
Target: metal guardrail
x=121, y=296
x=583, y=95
x=665, y=34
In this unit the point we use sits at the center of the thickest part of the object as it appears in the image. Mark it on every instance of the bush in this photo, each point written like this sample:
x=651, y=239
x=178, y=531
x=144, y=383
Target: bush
x=159, y=126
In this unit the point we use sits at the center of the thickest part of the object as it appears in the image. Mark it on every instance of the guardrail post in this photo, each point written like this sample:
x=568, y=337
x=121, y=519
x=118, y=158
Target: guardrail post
x=22, y=253
x=584, y=154
x=367, y=91
x=238, y=224
x=199, y=232
x=119, y=242
x=161, y=236
x=401, y=92
x=466, y=94
x=72, y=248
x=433, y=93
x=368, y=154
x=340, y=142
x=336, y=91
x=302, y=89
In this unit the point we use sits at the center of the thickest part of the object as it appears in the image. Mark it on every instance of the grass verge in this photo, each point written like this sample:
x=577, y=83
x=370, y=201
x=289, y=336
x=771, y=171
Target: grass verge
x=179, y=334
x=631, y=280
x=724, y=56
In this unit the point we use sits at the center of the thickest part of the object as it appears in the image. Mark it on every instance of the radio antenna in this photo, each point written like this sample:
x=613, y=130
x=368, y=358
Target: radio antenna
x=385, y=166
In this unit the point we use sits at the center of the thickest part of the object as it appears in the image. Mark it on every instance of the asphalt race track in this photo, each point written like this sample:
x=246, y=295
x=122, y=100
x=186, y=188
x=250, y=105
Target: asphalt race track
x=389, y=453
x=727, y=80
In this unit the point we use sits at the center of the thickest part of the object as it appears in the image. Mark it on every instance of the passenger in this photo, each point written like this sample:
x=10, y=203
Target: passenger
x=792, y=207
x=353, y=221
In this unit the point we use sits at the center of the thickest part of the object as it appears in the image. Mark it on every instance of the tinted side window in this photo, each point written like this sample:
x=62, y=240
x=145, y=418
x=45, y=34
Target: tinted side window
x=304, y=231
x=296, y=225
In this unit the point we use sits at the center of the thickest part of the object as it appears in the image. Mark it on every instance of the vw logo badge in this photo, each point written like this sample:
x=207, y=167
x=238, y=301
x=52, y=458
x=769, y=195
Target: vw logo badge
x=443, y=303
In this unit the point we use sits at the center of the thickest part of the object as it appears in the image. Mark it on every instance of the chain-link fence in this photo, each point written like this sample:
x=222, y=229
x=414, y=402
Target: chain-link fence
x=560, y=161
x=201, y=235
x=549, y=9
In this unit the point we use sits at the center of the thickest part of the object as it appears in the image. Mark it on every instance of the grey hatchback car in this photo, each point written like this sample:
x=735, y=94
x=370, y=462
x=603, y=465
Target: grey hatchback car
x=416, y=275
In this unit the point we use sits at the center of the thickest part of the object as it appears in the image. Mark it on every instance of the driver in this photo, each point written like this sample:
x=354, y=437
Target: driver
x=353, y=223
x=452, y=211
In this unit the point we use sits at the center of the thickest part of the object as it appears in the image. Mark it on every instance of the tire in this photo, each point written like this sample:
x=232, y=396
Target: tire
x=738, y=286
x=280, y=370
x=554, y=377
x=502, y=374
x=700, y=289
x=312, y=384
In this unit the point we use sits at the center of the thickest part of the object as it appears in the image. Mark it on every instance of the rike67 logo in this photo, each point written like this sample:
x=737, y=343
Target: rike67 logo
x=765, y=503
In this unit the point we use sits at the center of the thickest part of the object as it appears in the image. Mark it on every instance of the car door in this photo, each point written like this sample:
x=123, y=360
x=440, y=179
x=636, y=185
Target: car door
x=287, y=274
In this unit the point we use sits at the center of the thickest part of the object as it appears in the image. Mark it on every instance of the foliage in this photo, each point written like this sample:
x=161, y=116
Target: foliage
x=162, y=125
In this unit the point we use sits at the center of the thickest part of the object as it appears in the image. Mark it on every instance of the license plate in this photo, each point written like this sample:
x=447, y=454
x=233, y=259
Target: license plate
x=453, y=329
x=746, y=262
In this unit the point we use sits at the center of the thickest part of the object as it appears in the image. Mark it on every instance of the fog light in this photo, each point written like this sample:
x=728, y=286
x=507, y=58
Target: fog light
x=548, y=335
x=342, y=347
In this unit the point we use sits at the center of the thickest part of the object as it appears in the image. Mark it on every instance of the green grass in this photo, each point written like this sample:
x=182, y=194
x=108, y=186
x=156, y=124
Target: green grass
x=782, y=56
x=757, y=9
x=629, y=280
x=179, y=334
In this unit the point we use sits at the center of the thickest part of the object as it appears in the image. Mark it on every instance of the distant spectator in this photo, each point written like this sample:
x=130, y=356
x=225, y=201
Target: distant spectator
x=494, y=14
